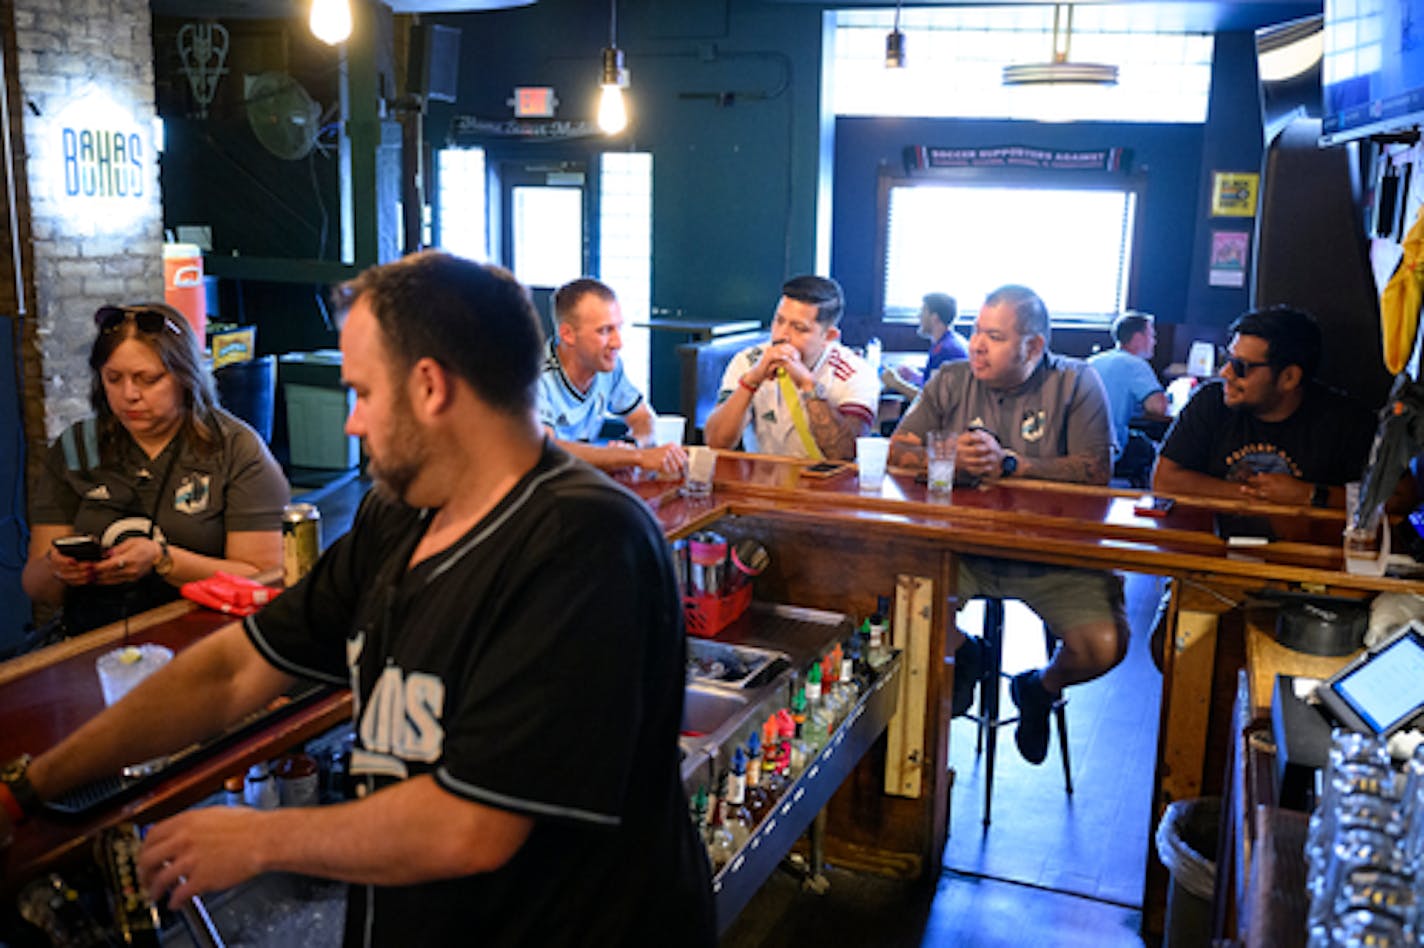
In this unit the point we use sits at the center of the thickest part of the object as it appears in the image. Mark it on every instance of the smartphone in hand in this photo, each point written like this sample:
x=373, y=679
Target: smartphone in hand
x=81, y=547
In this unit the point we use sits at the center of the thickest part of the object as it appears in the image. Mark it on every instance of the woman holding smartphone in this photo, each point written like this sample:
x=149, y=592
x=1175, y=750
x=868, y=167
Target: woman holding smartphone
x=169, y=486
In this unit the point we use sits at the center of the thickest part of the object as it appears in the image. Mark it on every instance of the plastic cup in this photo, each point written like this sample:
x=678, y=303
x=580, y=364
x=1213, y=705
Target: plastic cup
x=940, y=450
x=123, y=668
x=870, y=457
x=701, y=466
x=669, y=429
x=1366, y=545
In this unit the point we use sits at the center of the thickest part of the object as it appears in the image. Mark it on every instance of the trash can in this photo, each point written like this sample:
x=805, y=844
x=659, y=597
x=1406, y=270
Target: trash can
x=249, y=390
x=1186, y=844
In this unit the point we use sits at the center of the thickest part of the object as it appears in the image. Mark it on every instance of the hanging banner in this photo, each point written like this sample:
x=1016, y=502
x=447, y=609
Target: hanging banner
x=932, y=157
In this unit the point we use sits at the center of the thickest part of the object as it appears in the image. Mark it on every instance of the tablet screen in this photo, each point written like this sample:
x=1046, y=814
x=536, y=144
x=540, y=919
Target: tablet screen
x=1389, y=687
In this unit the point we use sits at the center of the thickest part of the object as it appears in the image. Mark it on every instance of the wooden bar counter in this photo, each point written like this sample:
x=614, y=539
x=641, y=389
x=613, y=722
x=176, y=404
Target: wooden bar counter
x=46, y=695
x=836, y=548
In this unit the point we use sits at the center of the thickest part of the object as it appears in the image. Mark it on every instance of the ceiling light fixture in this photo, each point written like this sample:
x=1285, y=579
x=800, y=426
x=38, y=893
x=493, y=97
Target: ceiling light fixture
x=1060, y=71
x=331, y=21
x=612, y=111
x=895, y=43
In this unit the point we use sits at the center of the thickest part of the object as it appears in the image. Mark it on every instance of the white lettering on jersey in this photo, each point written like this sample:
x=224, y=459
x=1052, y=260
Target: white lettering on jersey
x=421, y=737
x=402, y=716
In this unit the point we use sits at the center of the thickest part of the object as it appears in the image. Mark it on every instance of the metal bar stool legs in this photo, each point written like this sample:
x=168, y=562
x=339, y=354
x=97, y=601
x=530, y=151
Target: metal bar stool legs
x=988, y=720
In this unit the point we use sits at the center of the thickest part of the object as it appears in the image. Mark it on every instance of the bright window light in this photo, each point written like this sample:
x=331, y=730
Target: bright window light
x=548, y=234
x=954, y=68
x=460, y=202
x=1076, y=256
x=625, y=258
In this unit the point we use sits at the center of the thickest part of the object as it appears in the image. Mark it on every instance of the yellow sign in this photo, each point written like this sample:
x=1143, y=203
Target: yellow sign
x=234, y=346
x=1233, y=194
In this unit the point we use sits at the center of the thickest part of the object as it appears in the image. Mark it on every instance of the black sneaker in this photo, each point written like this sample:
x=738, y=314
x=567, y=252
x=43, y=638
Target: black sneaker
x=968, y=669
x=1034, y=704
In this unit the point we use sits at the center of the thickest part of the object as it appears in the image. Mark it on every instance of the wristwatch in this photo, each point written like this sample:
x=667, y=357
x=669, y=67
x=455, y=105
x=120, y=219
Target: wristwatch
x=1009, y=464
x=1320, y=495
x=164, y=564
x=17, y=795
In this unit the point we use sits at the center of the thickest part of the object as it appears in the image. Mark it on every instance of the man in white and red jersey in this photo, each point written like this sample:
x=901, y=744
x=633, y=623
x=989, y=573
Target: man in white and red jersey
x=805, y=394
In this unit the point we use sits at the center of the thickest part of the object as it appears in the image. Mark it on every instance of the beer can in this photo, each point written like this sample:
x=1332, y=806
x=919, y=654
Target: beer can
x=301, y=541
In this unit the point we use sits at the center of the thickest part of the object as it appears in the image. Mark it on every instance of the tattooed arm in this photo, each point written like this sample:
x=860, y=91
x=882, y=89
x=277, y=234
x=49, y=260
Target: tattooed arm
x=835, y=431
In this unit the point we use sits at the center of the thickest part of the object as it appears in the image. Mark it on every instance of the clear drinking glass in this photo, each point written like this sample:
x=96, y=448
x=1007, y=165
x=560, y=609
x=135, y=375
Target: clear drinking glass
x=871, y=455
x=940, y=449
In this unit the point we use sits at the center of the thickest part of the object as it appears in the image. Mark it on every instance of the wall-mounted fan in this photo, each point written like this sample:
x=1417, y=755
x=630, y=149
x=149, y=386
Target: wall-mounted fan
x=285, y=119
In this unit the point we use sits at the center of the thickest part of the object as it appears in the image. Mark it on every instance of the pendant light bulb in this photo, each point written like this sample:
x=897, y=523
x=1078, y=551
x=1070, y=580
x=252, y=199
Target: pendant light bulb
x=331, y=21
x=895, y=44
x=612, y=110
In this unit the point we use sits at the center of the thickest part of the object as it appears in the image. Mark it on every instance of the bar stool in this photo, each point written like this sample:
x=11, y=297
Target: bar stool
x=988, y=721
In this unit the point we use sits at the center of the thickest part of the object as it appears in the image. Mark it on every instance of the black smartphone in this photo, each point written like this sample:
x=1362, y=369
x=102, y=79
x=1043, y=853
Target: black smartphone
x=825, y=469
x=1244, y=529
x=81, y=547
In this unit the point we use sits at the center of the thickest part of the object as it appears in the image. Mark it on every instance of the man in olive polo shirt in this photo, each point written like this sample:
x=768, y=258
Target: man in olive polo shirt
x=1023, y=412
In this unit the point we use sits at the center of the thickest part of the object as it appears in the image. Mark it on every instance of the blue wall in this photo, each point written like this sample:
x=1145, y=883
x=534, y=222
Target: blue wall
x=736, y=178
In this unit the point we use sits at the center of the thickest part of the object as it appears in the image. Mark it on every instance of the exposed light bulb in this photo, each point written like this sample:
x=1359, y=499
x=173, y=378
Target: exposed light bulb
x=612, y=112
x=331, y=21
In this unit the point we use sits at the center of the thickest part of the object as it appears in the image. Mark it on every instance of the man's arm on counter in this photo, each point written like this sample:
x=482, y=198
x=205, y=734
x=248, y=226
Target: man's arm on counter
x=671, y=458
x=835, y=431
x=1169, y=477
x=206, y=687
x=410, y=832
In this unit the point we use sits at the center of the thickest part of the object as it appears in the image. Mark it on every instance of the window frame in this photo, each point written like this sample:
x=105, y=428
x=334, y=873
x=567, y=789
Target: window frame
x=1018, y=178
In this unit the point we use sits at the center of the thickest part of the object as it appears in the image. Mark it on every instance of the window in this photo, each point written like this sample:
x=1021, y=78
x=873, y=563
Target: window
x=956, y=56
x=548, y=234
x=1072, y=246
x=625, y=250
x=460, y=202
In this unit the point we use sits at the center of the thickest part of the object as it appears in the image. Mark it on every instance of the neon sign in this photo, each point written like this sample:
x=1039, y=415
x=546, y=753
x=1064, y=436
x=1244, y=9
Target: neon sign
x=102, y=159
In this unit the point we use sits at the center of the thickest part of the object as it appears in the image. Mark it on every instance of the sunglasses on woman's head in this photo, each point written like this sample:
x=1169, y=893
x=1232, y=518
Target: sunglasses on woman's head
x=110, y=318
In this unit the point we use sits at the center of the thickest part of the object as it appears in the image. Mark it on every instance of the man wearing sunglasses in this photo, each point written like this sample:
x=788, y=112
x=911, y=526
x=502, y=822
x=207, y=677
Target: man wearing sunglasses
x=1267, y=430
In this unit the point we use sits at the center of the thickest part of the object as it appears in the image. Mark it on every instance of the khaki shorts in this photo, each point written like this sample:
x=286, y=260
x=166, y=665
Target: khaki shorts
x=1062, y=596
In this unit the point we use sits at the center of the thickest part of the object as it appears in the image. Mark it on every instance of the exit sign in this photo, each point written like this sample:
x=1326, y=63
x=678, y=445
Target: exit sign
x=534, y=102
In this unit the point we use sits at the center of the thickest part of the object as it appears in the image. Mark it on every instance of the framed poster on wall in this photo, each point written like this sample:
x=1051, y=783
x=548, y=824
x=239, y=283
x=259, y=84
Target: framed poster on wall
x=1233, y=193
x=1229, y=249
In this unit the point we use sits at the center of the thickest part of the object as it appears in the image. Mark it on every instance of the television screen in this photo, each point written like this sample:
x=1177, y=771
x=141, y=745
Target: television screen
x=1374, y=67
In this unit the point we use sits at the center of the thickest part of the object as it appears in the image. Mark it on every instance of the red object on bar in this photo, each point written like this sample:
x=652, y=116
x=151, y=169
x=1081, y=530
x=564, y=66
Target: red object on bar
x=708, y=615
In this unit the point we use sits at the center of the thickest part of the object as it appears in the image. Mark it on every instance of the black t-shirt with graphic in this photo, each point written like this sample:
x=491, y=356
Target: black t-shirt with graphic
x=1324, y=441
x=535, y=665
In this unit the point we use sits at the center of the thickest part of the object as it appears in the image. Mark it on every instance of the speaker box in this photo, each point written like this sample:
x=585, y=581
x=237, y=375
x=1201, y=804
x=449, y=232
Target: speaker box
x=435, y=62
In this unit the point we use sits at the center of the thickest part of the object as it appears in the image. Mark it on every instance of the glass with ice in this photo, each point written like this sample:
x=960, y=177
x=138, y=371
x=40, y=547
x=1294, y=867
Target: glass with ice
x=121, y=669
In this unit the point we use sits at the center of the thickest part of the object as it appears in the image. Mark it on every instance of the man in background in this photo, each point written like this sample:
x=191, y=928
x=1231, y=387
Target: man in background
x=1133, y=391
x=1023, y=412
x=936, y=319
x=805, y=395
x=1267, y=430
x=582, y=384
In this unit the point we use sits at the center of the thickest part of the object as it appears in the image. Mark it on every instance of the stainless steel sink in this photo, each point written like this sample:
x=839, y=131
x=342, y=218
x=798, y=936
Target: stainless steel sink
x=730, y=666
x=706, y=710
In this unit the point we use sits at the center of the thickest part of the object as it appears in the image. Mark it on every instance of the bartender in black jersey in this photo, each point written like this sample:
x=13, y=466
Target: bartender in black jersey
x=509, y=620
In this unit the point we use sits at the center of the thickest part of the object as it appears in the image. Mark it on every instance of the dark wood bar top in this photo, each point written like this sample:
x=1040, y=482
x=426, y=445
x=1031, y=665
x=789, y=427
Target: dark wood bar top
x=47, y=694
x=1047, y=522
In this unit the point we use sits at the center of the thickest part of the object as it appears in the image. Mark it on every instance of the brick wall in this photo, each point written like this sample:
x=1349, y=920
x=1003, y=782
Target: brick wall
x=83, y=256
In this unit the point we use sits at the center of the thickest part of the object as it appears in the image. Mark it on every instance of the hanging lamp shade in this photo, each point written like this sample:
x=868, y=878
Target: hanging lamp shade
x=1058, y=70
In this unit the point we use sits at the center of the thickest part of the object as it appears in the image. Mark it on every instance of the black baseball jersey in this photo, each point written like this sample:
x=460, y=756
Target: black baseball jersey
x=535, y=665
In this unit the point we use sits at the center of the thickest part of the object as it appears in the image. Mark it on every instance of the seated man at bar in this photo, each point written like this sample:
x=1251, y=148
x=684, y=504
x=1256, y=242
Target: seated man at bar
x=516, y=750
x=1023, y=412
x=1267, y=430
x=582, y=384
x=936, y=317
x=1133, y=390
x=172, y=487
x=805, y=395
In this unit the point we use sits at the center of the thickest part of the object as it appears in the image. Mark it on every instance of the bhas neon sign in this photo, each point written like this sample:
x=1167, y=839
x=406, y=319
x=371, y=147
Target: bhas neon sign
x=102, y=162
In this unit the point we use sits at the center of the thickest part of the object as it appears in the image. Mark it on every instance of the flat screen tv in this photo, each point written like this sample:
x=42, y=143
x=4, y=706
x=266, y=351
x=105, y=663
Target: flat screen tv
x=1374, y=68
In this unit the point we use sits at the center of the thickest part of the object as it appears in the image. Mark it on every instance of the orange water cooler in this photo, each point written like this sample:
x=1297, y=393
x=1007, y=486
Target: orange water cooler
x=183, y=284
